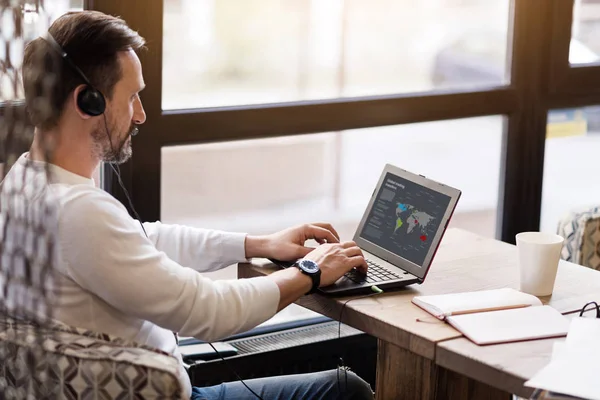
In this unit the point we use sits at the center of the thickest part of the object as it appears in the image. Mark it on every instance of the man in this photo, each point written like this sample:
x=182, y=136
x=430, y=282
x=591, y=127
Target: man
x=143, y=282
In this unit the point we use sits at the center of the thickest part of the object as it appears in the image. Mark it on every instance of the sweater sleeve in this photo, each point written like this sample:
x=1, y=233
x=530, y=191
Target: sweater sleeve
x=201, y=249
x=106, y=254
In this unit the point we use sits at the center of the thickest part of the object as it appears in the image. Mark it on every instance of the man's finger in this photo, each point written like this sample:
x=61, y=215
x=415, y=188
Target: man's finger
x=359, y=263
x=320, y=234
x=348, y=244
x=327, y=226
x=353, y=251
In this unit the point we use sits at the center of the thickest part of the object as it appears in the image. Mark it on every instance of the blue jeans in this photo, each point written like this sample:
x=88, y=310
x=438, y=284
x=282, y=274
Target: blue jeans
x=314, y=386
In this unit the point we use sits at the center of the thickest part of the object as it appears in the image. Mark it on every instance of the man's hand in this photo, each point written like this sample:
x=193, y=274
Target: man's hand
x=336, y=259
x=288, y=245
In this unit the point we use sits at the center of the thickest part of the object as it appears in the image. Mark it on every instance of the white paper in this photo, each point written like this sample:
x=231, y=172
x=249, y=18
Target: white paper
x=573, y=368
x=584, y=332
x=573, y=374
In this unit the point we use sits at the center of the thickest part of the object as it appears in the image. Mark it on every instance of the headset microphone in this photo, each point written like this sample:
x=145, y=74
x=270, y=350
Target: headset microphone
x=135, y=131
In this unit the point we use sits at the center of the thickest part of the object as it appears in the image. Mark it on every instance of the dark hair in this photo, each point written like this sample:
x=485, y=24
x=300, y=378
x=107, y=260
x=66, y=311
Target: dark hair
x=92, y=40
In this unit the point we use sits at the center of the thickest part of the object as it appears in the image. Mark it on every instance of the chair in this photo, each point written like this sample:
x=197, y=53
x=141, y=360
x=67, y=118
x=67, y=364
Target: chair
x=83, y=364
x=581, y=230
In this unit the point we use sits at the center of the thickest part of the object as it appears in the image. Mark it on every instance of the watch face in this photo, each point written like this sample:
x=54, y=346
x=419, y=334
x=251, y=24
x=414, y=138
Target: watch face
x=309, y=266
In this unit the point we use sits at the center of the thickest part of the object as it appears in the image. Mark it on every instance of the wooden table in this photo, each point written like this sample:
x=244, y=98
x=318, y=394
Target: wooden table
x=412, y=360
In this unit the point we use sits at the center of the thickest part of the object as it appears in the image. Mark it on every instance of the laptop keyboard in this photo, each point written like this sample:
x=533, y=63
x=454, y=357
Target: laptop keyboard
x=376, y=273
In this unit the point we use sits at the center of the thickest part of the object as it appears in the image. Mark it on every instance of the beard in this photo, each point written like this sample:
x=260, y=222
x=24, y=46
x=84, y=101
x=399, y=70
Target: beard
x=114, y=149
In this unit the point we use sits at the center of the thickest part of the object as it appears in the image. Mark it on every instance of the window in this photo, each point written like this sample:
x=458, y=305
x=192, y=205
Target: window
x=268, y=51
x=35, y=22
x=570, y=177
x=585, y=41
x=271, y=184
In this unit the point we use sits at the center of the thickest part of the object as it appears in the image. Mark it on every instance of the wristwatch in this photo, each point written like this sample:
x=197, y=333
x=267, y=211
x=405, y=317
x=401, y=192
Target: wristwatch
x=310, y=268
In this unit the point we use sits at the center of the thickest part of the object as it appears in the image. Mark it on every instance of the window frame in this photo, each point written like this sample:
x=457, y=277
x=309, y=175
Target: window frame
x=570, y=85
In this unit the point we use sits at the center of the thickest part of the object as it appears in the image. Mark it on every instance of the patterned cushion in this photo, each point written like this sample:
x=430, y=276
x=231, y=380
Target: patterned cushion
x=581, y=230
x=73, y=363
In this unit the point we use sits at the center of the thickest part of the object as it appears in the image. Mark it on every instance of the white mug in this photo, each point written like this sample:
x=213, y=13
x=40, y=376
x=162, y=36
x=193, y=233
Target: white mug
x=539, y=255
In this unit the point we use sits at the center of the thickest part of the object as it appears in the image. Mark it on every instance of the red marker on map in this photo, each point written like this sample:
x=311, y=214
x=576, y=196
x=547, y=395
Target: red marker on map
x=423, y=238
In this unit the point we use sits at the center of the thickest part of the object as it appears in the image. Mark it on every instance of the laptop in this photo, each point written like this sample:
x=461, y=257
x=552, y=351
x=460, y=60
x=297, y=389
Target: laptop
x=399, y=232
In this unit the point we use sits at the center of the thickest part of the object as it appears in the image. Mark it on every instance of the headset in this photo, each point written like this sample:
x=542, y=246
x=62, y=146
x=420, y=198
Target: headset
x=90, y=100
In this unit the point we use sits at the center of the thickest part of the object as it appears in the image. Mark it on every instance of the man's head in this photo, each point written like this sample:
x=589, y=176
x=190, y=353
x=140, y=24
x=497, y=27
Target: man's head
x=103, y=47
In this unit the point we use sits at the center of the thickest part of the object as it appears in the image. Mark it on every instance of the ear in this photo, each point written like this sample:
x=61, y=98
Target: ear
x=76, y=92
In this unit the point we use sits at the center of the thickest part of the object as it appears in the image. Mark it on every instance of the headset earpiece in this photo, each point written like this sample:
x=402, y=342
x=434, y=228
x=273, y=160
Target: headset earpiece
x=91, y=101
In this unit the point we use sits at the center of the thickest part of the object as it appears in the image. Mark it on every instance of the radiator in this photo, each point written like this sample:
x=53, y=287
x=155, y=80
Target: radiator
x=299, y=350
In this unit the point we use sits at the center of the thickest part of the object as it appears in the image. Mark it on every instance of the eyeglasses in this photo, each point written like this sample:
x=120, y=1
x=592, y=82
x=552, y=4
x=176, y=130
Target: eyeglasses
x=590, y=306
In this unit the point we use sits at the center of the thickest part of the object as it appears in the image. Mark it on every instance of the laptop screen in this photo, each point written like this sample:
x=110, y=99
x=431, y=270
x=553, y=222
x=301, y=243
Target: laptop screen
x=405, y=218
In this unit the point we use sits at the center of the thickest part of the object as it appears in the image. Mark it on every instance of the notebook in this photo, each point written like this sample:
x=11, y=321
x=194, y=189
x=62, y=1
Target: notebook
x=496, y=316
x=445, y=305
x=511, y=325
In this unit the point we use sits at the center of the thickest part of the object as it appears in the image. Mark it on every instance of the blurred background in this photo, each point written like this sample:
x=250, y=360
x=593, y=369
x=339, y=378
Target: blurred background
x=269, y=51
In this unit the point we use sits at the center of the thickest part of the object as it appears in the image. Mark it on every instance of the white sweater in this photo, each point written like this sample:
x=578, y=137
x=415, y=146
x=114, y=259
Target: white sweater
x=113, y=279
